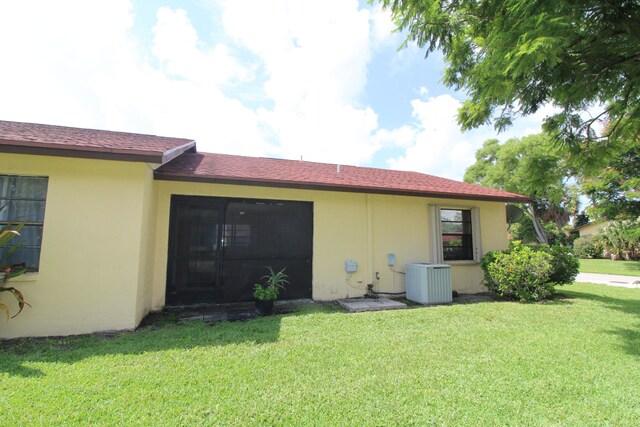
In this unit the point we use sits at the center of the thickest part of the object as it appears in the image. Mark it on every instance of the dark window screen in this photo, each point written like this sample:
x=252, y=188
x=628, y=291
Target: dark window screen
x=22, y=201
x=193, y=260
x=266, y=233
x=196, y=245
x=220, y=248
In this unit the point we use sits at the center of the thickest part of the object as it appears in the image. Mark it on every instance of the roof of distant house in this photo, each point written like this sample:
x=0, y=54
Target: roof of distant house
x=229, y=169
x=32, y=138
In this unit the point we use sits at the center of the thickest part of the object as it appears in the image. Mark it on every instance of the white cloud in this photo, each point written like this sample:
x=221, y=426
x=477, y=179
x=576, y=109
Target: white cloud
x=78, y=64
x=438, y=137
x=182, y=54
x=402, y=137
x=315, y=56
x=383, y=27
x=51, y=49
x=441, y=148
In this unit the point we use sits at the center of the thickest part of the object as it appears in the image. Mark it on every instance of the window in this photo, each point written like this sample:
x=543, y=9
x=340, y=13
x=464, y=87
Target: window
x=22, y=201
x=237, y=235
x=457, y=240
x=455, y=234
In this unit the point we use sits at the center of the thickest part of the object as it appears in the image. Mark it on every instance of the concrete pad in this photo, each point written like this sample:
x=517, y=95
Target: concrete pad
x=354, y=305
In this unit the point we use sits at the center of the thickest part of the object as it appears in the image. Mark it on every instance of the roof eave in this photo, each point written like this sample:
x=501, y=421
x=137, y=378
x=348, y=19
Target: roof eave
x=41, y=149
x=168, y=176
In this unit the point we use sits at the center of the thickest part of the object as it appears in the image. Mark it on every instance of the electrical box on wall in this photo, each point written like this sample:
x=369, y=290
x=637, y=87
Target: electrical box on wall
x=391, y=260
x=351, y=266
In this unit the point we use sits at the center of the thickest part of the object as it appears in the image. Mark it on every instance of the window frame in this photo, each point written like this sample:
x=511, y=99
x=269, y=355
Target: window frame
x=436, y=234
x=16, y=221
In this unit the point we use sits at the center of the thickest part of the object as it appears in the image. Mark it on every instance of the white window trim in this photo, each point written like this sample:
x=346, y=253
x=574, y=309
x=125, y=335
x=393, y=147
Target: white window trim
x=435, y=231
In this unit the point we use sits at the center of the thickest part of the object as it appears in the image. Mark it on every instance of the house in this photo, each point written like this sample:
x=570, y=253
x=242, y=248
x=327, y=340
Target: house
x=590, y=228
x=121, y=224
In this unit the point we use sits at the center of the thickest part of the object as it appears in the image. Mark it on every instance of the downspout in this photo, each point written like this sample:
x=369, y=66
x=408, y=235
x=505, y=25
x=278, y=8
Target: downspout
x=370, y=272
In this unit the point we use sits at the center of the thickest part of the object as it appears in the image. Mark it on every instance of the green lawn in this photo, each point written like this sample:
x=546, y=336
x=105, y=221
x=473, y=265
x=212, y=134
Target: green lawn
x=571, y=361
x=606, y=266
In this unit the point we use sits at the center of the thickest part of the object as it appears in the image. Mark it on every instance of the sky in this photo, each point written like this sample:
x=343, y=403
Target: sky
x=322, y=81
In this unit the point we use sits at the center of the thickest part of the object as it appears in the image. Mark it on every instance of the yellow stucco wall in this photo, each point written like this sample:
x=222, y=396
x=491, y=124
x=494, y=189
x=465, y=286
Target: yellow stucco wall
x=90, y=265
x=467, y=277
x=147, y=244
x=104, y=251
x=334, y=240
x=400, y=226
x=591, y=228
x=362, y=227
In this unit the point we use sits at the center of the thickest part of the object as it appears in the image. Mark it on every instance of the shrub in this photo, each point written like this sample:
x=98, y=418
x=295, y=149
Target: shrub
x=529, y=273
x=564, y=263
x=520, y=273
x=587, y=247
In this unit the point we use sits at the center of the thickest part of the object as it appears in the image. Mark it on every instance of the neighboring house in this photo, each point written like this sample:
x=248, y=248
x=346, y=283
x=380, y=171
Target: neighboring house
x=590, y=228
x=122, y=224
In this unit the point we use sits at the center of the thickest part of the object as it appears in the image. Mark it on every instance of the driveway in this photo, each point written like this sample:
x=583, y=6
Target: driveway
x=610, y=280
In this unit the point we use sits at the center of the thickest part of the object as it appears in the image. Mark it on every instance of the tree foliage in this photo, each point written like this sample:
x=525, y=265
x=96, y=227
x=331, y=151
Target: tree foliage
x=533, y=167
x=514, y=56
x=588, y=246
x=615, y=189
x=621, y=239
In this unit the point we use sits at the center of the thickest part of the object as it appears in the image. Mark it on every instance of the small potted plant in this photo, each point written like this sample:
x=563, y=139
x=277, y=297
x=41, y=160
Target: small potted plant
x=10, y=271
x=265, y=294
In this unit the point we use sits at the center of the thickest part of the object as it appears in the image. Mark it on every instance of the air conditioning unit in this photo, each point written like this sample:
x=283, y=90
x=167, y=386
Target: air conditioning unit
x=429, y=283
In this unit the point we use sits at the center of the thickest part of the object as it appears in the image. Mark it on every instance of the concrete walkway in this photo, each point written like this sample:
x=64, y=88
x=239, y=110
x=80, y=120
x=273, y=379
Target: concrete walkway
x=356, y=305
x=609, y=280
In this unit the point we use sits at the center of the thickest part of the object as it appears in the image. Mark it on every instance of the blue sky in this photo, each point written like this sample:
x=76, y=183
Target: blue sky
x=289, y=78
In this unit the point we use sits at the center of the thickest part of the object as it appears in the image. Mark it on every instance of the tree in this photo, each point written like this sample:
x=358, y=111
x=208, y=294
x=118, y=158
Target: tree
x=621, y=239
x=615, y=189
x=581, y=219
x=514, y=56
x=531, y=166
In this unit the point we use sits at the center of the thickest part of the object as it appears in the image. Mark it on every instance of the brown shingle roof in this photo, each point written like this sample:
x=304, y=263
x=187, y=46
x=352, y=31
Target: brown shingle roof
x=32, y=138
x=222, y=168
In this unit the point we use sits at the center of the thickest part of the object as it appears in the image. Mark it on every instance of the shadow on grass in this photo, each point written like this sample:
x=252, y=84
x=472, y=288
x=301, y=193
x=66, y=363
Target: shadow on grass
x=16, y=355
x=633, y=266
x=630, y=337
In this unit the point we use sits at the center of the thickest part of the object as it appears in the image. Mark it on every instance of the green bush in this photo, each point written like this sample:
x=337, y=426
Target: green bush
x=529, y=273
x=564, y=263
x=520, y=273
x=587, y=247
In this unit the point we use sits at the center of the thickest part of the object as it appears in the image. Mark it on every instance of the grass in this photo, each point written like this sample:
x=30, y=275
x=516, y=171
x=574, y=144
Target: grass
x=606, y=266
x=571, y=361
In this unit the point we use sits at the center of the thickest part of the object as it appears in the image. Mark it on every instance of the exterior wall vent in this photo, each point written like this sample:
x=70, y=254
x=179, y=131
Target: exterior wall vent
x=429, y=283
